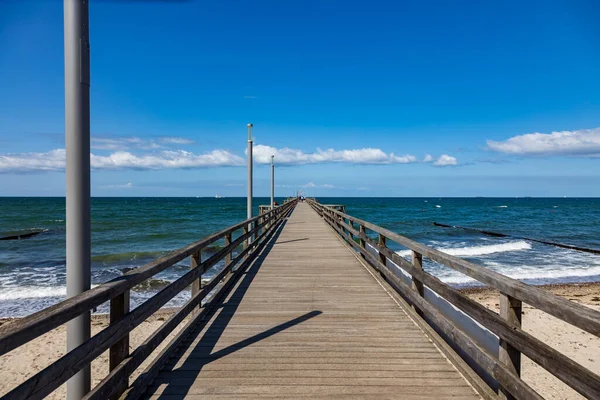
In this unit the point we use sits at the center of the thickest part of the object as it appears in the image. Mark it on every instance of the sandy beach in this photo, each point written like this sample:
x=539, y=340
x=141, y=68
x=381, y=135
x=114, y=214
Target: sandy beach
x=579, y=345
x=582, y=347
x=24, y=362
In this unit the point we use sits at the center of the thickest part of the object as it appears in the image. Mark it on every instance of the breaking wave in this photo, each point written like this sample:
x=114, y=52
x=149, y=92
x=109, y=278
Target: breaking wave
x=473, y=251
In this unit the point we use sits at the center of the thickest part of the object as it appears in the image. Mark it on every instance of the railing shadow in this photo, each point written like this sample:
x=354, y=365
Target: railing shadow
x=202, y=354
x=293, y=240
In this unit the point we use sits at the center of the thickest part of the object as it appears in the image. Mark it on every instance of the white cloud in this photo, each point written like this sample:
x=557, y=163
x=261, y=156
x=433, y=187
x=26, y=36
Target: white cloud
x=310, y=185
x=180, y=159
x=27, y=162
x=176, y=140
x=428, y=158
x=585, y=142
x=262, y=155
x=55, y=161
x=117, y=143
x=445, y=160
x=165, y=160
x=126, y=143
x=128, y=185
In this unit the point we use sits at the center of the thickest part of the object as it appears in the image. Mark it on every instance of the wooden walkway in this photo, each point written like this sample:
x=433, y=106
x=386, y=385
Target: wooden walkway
x=309, y=320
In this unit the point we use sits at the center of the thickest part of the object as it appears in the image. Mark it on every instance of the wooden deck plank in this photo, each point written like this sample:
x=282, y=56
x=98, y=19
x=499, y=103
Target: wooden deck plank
x=307, y=319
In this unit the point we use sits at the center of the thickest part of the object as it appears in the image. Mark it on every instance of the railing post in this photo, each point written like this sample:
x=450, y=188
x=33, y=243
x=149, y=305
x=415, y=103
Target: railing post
x=362, y=241
x=195, y=262
x=119, y=307
x=227, y=243
x=228, y=256
x=381, y=243
x=255, y=234
x=417, y=285
x=246, y=242
x=510, y=310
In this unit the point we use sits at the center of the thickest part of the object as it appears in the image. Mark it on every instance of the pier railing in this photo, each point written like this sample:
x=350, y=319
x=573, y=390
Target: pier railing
x=419, y=288
x=250, y=235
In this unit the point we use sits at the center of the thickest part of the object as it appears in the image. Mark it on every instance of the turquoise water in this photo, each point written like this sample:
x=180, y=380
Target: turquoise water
x=129, y=232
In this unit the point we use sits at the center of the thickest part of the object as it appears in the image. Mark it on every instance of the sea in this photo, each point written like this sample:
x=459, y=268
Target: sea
x=130, y=232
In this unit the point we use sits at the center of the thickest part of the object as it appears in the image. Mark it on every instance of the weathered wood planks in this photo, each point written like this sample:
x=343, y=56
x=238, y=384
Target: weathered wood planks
x=308, y=319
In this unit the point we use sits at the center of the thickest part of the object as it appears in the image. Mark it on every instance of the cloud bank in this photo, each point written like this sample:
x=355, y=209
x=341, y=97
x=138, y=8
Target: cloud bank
x=150, y=155
x=286, y=156
x=584, y=142
x=126, y=143
x=55, y=161
x=311, y=185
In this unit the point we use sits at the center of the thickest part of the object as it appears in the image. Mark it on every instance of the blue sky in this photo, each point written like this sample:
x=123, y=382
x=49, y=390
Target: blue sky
x=378, y=98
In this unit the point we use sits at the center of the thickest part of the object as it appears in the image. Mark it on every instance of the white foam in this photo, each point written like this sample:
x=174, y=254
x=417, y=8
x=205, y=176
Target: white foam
x=550, y=273
x=32, y=292
x=438, y=206
x=471, y=251
x=502, y=206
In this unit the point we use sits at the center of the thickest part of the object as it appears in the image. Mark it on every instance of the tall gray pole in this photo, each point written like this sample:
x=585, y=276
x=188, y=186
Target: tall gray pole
x=77, y=135
x=249, y=171
x=272, y=182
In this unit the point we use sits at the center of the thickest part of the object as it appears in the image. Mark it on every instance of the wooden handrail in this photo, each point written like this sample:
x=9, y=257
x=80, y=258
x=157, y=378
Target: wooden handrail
x=25, y=329
x=21, y=331
x=513, y=340
x=106, y=388
x=576, y=314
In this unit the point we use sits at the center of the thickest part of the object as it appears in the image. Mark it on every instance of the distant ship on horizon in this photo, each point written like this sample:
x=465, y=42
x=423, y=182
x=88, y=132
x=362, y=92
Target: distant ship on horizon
x=219, y=197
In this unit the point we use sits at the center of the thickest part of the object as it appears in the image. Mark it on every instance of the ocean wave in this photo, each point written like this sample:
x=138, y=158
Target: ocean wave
x=472, y=251
x=551, y=274
x=31, y=292
x=128, y=256
x=501, y=206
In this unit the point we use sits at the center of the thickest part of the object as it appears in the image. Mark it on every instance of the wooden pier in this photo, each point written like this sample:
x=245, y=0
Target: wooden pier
x=311, y=302
x=308, y=319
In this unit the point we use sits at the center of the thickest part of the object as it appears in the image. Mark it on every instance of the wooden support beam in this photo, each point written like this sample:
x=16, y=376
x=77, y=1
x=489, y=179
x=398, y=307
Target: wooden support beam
x=247, y=241
x=119, y=307
x=227, y=243
x=255, y=235
x=417, y=285
x=381, y=242
x=510, y=310
x=195, y=262
x=362, y=241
